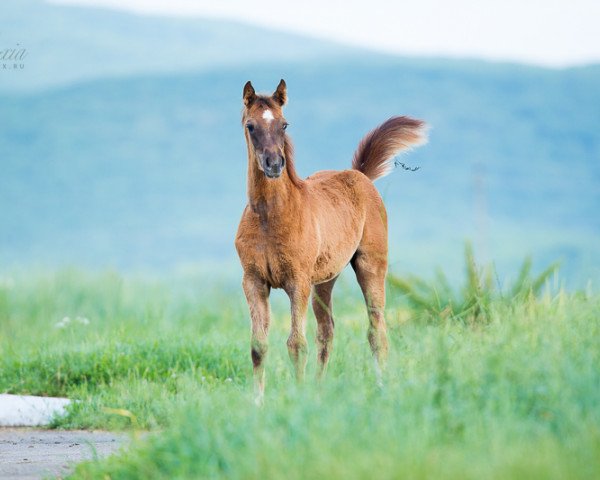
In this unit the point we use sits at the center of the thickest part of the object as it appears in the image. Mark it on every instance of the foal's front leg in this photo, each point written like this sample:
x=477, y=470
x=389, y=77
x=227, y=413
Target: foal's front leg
x=299, y=293
x=257, y=295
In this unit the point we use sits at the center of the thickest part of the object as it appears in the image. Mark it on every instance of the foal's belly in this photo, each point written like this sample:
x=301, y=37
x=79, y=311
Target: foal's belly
x=332, y=260
x=281, y=267
x=322, y=275
x=338, y=231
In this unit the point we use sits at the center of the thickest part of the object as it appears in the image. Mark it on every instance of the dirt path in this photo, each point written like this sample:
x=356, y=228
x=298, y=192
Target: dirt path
x=27, y=453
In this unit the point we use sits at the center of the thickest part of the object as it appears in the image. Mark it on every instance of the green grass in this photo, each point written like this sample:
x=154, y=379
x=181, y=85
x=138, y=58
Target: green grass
x=514, y=396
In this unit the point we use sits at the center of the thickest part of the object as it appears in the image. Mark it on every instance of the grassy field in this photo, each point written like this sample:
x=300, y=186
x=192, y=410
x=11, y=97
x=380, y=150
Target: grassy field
x=503, y=384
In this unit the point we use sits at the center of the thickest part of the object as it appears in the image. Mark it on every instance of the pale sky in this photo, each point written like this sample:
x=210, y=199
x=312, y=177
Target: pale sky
x=553, y=33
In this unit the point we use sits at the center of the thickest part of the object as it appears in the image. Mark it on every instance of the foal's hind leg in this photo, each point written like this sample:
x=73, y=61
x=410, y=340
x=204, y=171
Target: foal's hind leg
x=371, y=268
x=257, y=295
x=322, y=306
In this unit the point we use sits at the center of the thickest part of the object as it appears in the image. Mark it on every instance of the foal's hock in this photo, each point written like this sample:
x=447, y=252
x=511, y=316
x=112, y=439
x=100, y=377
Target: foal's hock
x=299, y=234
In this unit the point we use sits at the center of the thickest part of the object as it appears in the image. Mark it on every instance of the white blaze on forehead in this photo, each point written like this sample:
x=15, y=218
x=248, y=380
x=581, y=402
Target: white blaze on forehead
x=268, y=115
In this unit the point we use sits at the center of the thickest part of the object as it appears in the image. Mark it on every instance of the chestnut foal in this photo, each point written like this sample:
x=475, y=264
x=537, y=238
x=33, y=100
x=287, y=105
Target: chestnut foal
x=300, y=234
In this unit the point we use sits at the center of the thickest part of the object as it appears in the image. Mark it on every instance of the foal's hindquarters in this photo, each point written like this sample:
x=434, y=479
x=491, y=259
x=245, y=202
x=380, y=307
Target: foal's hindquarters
x=370, y=264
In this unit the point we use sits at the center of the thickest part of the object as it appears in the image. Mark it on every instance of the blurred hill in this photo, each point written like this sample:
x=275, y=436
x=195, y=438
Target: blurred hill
x=130, y=164
x=69, y=44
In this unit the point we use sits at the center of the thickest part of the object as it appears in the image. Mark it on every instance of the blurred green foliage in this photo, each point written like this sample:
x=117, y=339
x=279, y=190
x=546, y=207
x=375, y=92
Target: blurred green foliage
x=438, y=300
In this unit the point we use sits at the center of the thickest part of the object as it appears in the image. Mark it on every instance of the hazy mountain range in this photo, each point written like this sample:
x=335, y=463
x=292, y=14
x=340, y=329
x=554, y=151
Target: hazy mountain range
x=68, y=44
x=121, y=143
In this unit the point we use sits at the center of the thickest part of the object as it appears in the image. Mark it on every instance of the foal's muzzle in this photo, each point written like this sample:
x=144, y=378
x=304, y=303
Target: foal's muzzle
x=273, y=164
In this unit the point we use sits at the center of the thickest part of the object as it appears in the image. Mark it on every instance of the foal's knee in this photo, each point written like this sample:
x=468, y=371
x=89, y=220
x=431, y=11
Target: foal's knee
x=297, y=345
x=258, y=352
x=325, y=332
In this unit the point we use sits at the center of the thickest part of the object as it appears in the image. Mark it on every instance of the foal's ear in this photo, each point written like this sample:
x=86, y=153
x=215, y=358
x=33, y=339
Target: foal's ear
x=249, y=93
x=280, y=95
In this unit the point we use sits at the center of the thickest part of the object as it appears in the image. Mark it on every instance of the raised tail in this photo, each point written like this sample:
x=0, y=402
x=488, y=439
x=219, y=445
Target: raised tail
x=376, y=151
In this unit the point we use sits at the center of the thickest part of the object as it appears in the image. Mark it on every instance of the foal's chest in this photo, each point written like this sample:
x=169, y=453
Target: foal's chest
x=274, y=254
x=274, y=263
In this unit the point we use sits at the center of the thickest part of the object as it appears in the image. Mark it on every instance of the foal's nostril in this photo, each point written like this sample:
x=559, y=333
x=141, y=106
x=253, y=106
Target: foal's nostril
x=269, y=162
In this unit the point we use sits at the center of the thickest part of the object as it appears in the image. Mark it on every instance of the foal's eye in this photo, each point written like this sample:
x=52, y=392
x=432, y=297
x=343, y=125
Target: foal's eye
x=250, y=127
x=285, y=125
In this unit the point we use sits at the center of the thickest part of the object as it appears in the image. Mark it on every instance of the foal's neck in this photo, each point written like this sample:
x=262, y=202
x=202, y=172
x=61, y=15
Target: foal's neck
x=266, y=195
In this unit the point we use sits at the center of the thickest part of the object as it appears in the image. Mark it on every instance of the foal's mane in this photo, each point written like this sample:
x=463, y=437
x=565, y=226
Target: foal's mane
x=288, y=146
x=288, y=152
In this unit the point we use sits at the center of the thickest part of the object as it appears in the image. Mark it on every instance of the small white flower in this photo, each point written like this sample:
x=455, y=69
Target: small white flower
x=229, y=379
x=63, y=323
x=83, y=320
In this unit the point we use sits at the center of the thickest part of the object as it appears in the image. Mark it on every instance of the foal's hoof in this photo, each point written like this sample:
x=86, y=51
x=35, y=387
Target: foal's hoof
x=259, y=400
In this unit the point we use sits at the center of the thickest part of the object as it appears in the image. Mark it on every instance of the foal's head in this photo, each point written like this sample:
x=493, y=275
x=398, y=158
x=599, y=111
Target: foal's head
x=264, y=127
